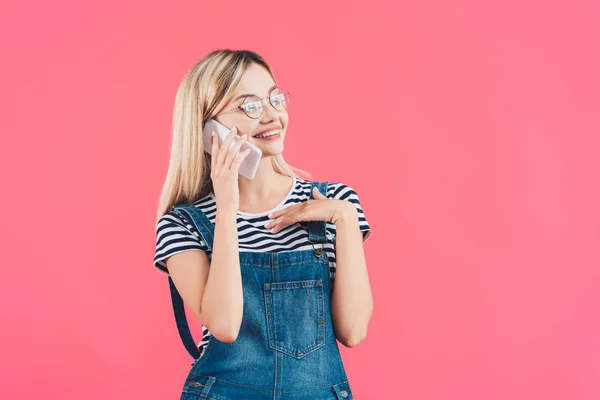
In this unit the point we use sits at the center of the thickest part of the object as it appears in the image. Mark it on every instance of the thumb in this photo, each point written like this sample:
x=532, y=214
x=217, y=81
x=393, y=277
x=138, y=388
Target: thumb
x=318, y=194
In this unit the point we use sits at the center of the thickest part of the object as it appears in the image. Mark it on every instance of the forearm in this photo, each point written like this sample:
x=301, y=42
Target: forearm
x=351, y=301
x=222, y=300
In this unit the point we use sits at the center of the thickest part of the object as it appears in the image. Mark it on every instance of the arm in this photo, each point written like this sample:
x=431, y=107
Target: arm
x=213, y=290
x=351, y=301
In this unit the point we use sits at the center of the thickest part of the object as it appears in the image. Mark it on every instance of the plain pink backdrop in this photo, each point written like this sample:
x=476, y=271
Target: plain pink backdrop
x=468, y=128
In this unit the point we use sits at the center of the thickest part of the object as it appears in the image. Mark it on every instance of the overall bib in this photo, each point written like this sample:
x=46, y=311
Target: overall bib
x=286, y=348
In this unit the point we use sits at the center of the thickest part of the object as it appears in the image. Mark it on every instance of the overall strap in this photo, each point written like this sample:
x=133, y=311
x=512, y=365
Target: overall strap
x=317, y=230
x=181, y=322
x=206, y=229
x=199, y=220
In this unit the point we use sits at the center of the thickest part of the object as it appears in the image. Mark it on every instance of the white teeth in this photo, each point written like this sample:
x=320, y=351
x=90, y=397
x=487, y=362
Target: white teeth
x=270, y=133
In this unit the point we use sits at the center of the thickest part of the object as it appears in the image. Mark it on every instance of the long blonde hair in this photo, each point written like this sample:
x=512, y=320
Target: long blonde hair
x=205, y=88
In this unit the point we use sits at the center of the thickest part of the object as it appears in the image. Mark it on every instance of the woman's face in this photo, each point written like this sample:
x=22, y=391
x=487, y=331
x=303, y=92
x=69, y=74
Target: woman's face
x=257, y=81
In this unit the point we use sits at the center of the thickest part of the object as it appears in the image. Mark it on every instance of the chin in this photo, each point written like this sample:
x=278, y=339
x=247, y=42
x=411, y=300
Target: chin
x=269, y=151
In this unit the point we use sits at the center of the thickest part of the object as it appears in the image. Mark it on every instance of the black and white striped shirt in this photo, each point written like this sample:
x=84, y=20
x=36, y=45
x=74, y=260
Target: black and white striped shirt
x=174, y=236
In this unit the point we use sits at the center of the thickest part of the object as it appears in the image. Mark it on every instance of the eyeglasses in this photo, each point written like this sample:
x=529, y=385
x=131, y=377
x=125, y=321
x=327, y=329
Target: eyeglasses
x=252, y=106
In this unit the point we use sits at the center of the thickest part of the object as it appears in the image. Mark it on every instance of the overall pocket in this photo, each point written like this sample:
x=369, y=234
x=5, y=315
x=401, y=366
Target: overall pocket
x=295, y=314
x=197, y=387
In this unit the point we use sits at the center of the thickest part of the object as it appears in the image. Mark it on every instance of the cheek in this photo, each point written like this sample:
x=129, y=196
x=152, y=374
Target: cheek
x=284, y=120
x=248, y=127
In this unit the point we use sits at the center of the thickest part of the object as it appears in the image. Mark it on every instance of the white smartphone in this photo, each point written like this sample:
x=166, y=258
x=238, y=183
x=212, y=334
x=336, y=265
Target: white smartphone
x=249, y=165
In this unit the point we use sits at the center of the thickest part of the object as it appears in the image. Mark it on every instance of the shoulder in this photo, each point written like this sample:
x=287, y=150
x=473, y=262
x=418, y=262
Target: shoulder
x=301, y=191
x=342, y=191
x=335, y=190
x=175, y=217
x=170, y=219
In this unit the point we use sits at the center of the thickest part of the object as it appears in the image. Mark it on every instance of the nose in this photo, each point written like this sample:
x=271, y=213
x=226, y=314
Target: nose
x=269, y=111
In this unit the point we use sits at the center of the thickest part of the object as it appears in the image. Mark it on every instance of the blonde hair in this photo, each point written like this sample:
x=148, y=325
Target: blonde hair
x=205, y=88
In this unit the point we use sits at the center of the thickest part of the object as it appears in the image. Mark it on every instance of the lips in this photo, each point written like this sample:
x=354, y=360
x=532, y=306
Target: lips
x=271, y=137
x=267, y=130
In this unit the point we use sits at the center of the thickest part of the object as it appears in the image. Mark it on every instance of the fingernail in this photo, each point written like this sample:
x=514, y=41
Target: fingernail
x=213, y=134
x=244, y=135
x=272, y=230
x=234, y=129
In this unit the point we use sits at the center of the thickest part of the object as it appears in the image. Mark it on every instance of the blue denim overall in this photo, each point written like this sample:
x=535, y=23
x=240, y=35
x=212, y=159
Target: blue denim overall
x=286, y=348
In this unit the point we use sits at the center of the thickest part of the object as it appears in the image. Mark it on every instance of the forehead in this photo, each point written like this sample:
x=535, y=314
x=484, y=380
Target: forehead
x=256, y=80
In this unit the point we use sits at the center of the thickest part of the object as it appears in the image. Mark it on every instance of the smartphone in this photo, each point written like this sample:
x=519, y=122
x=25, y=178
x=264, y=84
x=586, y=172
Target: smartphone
x=249, y=165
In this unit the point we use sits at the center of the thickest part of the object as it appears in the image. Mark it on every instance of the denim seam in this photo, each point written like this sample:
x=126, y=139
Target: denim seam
x=270, y=391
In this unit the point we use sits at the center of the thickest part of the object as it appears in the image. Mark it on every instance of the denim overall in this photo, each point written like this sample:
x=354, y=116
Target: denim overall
x=286, y=348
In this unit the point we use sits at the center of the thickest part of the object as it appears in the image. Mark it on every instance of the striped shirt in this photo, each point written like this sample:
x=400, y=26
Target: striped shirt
x=174, y=235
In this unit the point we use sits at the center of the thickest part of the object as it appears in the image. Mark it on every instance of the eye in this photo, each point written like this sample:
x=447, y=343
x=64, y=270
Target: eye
x=252, y=103
x=277, y=99
x=252, y=106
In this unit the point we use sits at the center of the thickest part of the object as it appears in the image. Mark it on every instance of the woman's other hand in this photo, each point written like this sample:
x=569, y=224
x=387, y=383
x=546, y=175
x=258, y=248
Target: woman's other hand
x=321, y=208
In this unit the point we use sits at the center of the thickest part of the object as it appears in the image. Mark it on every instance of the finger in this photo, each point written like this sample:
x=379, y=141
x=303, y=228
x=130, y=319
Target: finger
x=317, y=193
x=273, y=222
x=283, y=222
x=237, y=161
x=289, y=209
x=232, y=155
x=225, y=146
x=281, y=226
x=278, y=228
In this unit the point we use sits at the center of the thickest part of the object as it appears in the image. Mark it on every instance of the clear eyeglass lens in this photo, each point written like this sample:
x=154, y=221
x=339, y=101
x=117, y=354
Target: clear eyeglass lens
x=253, y=106
x=280, y=98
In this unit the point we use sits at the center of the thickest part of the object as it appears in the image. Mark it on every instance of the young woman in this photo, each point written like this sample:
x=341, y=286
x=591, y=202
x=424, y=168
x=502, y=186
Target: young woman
x=256, y=260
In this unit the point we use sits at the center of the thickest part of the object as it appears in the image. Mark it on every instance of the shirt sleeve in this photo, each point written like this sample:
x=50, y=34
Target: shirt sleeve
x=341, y=191
x=174, y=236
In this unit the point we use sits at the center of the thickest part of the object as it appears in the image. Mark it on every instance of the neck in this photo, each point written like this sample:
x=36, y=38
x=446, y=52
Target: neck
x=268, y=187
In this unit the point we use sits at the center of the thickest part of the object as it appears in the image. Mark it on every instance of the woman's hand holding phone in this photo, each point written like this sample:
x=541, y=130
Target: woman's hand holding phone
x=225, y=168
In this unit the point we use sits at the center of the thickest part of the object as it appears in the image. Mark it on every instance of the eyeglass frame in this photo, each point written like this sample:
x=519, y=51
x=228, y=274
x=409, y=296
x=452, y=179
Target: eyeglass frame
x=261, y=103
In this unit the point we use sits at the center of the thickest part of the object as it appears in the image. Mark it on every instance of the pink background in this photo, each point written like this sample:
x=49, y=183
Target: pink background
x=468, y=128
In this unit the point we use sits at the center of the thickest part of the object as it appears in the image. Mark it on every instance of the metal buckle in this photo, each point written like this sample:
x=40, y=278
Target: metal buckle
x=317, y=250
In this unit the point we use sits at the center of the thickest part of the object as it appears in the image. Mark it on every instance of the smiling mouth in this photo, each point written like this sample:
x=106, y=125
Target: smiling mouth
x=272, y=137
x=271, y=133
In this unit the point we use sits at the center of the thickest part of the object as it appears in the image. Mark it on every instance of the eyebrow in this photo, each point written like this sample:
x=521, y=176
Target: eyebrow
x=250, y=94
